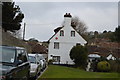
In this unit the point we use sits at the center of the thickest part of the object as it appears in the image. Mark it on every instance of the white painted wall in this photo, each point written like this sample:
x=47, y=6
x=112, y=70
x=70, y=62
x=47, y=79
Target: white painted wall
x=66, y=43
x=111, y=57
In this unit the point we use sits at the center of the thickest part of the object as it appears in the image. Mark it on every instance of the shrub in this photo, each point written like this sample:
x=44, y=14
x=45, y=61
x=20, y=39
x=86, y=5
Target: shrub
x=50, y=61
x=115, y=65
x=94, y=65
x=79, y=55
x=103, y=66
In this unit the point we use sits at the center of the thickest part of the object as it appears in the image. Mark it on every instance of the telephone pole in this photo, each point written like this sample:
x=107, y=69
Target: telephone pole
x=24, y=31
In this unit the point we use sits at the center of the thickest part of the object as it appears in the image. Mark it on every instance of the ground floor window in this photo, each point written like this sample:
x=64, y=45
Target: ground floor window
x=56, y=58
x=56, y=45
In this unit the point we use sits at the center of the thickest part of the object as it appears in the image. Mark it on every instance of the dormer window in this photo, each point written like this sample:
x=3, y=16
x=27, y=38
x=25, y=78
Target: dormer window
x=72, y=33
x=61, y=33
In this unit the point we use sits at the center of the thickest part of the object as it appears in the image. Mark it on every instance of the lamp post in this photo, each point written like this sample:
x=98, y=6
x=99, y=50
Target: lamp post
x=24, y=31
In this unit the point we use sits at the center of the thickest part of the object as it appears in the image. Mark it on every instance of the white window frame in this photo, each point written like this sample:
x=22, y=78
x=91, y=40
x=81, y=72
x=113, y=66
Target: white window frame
x=56, y=45
x=72, y=33
x=61, y=33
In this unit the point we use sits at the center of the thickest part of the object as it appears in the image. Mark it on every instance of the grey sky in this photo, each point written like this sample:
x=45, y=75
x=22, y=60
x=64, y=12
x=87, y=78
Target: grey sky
x=43, y=17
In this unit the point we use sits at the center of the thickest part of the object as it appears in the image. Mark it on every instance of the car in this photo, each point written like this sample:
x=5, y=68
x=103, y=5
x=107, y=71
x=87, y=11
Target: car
x=35, y=65
x=43, y=62
x=14, y=63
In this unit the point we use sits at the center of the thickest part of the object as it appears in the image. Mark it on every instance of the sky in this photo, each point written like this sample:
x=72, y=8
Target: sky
x=42, y=18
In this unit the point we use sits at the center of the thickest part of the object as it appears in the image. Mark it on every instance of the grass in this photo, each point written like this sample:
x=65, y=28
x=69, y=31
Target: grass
x=54, y=71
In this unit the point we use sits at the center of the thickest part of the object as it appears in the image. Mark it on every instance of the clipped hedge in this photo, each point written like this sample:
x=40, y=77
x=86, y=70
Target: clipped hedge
x=103, y=66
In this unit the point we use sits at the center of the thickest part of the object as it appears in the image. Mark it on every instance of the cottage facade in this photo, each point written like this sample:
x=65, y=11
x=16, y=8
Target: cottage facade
x=62, y=42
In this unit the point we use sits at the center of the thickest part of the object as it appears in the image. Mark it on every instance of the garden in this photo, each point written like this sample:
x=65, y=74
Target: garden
x=55, y=71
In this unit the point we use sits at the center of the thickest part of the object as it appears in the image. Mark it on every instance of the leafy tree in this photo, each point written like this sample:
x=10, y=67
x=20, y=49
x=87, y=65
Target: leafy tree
x=11, y=16
x=96, y=33
x=105, y=31
x=79, y=55
x=117, y=34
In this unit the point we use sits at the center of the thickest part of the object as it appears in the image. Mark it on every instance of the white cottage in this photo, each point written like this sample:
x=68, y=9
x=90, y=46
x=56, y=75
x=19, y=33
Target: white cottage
x=62, y=42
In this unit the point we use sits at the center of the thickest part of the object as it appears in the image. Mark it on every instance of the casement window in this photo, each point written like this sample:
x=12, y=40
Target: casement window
x=56, y=58
x=72, y=33
x=56, y=45
x=61, y=33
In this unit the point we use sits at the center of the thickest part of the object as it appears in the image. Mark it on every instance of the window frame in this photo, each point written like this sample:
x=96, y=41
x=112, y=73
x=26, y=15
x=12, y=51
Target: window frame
x=21, y=53
x=56, y=45
x=56, y=58
x=61, y=33
x=72, y=33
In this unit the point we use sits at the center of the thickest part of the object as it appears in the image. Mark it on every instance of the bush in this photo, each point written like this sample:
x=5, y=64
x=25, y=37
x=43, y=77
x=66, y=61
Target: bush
x=115, y=65
x=94, y=65
x=103, y=66
x=50, y=61
x=79, y=56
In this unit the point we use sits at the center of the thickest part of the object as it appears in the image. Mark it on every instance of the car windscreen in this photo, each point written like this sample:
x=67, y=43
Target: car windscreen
x=8, y=55
x=32, y=59
x=41, y=58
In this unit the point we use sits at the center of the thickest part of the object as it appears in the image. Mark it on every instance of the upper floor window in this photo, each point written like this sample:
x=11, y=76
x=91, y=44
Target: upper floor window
x=72, y=33
x=61, y=33
x=56, y=45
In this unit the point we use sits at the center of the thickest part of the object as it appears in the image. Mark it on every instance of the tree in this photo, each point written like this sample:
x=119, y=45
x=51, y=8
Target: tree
x=117, y=34
x=96, y=33
x=79, y=56
x=11, y=16
x=105, y=31
x=79, y=25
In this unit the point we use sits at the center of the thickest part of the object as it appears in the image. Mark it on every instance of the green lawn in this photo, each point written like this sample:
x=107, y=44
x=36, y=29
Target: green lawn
x=54, y=71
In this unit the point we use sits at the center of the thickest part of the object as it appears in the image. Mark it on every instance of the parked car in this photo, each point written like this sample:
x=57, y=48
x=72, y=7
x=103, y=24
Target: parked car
x=43, y=62
x=35, y=65
x=14, y=63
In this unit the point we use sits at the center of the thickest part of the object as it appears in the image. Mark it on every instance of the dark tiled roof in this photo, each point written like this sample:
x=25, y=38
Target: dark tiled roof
x=111, y=45
x=116, y=53
x=98, y=50
x=102, y=51
x=39, y=49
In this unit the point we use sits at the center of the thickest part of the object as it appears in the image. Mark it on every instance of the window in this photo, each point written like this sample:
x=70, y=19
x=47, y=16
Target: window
x=61, y=33
x=56, y=58
x=32, y=59
x=72, y=33
x=21, y=55
x=7, y=55
x=56, y=45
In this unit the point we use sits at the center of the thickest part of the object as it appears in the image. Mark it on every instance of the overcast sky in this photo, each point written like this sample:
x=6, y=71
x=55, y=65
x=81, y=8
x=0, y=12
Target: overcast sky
x=42, y=18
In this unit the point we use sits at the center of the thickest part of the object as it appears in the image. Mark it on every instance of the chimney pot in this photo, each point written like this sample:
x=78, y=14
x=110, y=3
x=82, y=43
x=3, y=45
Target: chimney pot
x=67, y=15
